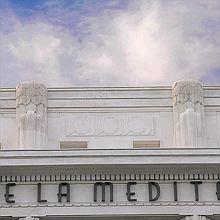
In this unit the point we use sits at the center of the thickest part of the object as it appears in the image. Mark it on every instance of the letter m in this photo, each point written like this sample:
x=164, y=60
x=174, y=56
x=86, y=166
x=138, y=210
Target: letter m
x=103, y=186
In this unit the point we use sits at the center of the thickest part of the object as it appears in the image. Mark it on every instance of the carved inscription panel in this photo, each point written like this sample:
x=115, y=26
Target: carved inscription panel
x=106, y=124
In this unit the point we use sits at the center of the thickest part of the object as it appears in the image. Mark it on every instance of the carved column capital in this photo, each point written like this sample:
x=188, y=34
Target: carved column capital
x=31, y=92
x=187, y=91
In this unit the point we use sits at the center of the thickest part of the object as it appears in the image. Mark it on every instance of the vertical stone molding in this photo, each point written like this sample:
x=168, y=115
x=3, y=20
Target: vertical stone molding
x=195, y=217
x=31, y=115
x=188, y=113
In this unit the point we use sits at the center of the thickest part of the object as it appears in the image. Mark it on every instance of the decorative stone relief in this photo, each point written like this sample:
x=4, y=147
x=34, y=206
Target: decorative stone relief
x=31, y=115
x=109, y=125
x=188, y=113
x=195, y=217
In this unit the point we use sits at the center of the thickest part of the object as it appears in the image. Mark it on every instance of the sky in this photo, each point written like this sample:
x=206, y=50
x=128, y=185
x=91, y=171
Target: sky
x=109, y=42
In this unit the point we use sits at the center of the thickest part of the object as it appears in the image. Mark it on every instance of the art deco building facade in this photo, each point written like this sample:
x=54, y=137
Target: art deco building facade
x=141, y=153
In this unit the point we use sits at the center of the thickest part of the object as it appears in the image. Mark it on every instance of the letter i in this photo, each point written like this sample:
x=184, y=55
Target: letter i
x=175, y=191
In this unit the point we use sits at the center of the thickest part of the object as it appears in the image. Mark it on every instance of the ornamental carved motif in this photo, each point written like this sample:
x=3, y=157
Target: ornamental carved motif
x=33, y=92
x=109, y=125
x=187, y=91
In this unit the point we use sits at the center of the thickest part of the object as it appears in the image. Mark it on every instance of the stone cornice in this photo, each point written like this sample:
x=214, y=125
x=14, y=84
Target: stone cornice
x=126, y=160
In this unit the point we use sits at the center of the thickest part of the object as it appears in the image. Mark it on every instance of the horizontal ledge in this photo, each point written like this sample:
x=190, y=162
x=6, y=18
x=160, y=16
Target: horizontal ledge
x=157, y=87
x=99, y=157
x=113, y=151
x=101, y=210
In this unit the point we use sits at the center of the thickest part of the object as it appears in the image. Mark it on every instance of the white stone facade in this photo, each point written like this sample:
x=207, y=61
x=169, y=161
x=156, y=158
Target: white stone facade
x=110, y=116
x=84, y=135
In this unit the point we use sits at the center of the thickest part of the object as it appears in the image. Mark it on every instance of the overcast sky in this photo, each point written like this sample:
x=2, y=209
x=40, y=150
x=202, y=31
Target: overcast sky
x=109, y=43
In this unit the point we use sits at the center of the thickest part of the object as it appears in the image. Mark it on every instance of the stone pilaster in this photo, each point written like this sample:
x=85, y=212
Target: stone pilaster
x=31, y=115
x=188, y=113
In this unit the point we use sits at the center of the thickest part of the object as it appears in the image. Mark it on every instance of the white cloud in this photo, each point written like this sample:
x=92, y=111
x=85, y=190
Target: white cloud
x=32, y=52
x=151, y=42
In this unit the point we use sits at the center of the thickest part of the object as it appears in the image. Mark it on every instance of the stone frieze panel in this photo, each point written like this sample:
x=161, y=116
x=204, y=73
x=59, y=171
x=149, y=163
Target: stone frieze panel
x=109, y=125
